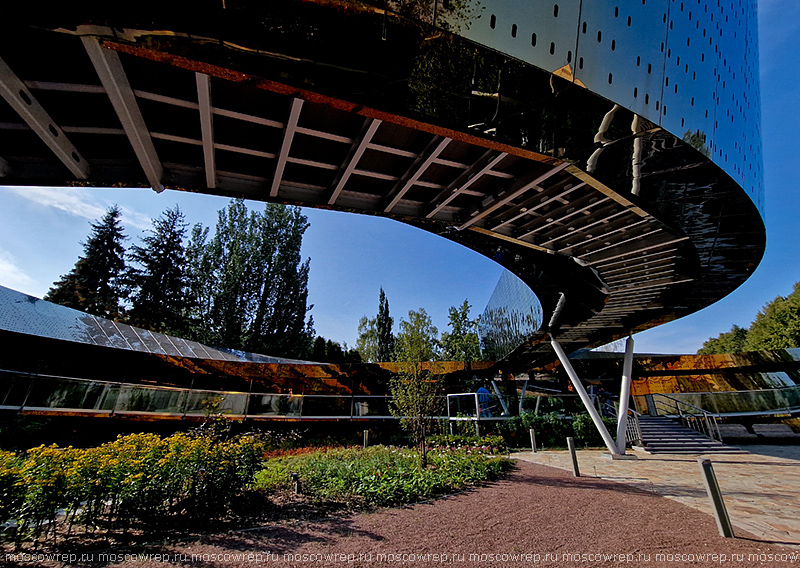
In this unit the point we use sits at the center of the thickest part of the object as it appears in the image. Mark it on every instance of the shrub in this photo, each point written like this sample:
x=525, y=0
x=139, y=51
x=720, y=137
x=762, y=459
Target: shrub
x=140, y=478
x=380, y=475
x=586, y=433
x=552, y=430
x=491, y=444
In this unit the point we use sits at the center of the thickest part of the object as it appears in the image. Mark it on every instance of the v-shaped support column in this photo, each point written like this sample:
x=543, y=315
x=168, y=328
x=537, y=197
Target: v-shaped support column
x=576, y=383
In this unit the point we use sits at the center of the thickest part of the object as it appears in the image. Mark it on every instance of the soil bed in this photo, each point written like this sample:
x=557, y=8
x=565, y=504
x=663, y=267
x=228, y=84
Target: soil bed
x=538, y=516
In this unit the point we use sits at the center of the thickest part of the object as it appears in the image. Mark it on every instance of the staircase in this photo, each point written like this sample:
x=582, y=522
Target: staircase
x=666, y=436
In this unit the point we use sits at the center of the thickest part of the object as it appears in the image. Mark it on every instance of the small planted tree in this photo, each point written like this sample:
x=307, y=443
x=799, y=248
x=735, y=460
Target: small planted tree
x=416, y=393
x=416, y=400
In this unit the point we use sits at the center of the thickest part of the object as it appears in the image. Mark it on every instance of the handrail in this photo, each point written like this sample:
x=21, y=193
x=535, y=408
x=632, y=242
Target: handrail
x=633, y=430
x=702, y=420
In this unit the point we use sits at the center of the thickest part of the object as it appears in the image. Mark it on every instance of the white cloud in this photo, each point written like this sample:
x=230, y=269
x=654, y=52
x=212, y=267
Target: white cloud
x=80, y=203
x=12, y=276
x=132, y=218
x=71, y=200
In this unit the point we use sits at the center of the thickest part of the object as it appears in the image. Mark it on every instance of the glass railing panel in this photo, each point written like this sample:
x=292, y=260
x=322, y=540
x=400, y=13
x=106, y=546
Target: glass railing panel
x=327, y=406
x=274, y=405
x=133, y=398
x=212, y=403
x=13, y=389
x=371, y=406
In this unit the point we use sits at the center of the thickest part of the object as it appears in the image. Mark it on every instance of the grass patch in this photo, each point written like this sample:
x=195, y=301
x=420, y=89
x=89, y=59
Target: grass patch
x=380, y=475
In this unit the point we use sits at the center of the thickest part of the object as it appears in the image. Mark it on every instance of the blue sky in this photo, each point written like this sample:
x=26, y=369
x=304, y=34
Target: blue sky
x=352, y=256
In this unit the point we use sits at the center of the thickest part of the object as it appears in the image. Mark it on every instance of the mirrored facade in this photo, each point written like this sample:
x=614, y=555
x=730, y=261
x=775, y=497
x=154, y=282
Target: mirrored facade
x=512, y=314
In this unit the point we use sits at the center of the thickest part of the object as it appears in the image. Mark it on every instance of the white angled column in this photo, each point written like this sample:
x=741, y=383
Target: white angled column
x=587, y=403
x=624, y=395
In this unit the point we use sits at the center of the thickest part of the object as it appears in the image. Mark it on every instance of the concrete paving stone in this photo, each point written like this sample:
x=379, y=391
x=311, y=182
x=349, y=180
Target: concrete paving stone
x=761, y=489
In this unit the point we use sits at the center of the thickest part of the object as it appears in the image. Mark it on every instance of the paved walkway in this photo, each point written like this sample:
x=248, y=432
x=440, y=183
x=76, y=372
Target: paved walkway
x=761, y=489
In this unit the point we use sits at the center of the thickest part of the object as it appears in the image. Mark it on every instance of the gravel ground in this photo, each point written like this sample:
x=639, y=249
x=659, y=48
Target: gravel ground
x=538, y=516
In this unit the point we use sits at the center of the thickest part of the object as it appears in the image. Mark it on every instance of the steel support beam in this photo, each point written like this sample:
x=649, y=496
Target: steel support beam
x=207, y=127
x=587, y=403
x=624, y=395
x=288, y=136
x=500, y=398
x=416, y=170
x=359, y=147
x=517, y=189
x=463, y=182
x=109, y=69
x=32, y=112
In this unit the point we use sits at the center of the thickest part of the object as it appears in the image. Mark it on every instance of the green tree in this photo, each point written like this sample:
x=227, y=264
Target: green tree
x=777, y=325
x=232, y=275
x=376, y=342
x=249, y=283
x=159, y=299
x=418, y=339
x=93, y=285
x=367, y=341
x=383, y=327
x=200, y=270
x=278, y=322
x=461, y=343
x=733, y=341
x=416, y=401
x=417, y=392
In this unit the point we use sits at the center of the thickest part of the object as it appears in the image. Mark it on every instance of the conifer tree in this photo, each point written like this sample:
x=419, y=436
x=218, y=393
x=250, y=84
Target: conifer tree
x=93, y=285
x=158, y=281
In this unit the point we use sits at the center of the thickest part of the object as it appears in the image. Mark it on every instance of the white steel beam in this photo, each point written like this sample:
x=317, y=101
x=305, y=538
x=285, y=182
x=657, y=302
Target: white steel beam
x=516, y=189
x=207, y=127
x=587, y=403
x=416, y=170
x=109, y=68
x=359, y=147
x=624, y=395
x=288, y=135
x=28, y=108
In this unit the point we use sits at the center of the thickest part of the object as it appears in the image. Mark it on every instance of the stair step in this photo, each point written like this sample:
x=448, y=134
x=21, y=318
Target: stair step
x=666, y=436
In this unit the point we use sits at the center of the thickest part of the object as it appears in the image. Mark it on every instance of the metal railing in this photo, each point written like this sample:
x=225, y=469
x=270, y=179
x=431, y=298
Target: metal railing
x=633, y=431
x=762, y=402
x=692, y=416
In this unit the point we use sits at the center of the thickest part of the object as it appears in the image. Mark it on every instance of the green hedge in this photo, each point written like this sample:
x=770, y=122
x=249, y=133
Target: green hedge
x=552, y=430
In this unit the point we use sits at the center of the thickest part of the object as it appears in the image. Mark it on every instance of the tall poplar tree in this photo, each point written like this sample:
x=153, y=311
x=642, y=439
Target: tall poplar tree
x=93, y=285
x=376, y=342
x=383, y=327
x=249, y=283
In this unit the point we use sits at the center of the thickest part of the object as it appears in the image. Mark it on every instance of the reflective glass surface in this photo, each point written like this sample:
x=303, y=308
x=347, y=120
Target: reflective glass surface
x=21, y=313
x=690, y=67
x=512, y=314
